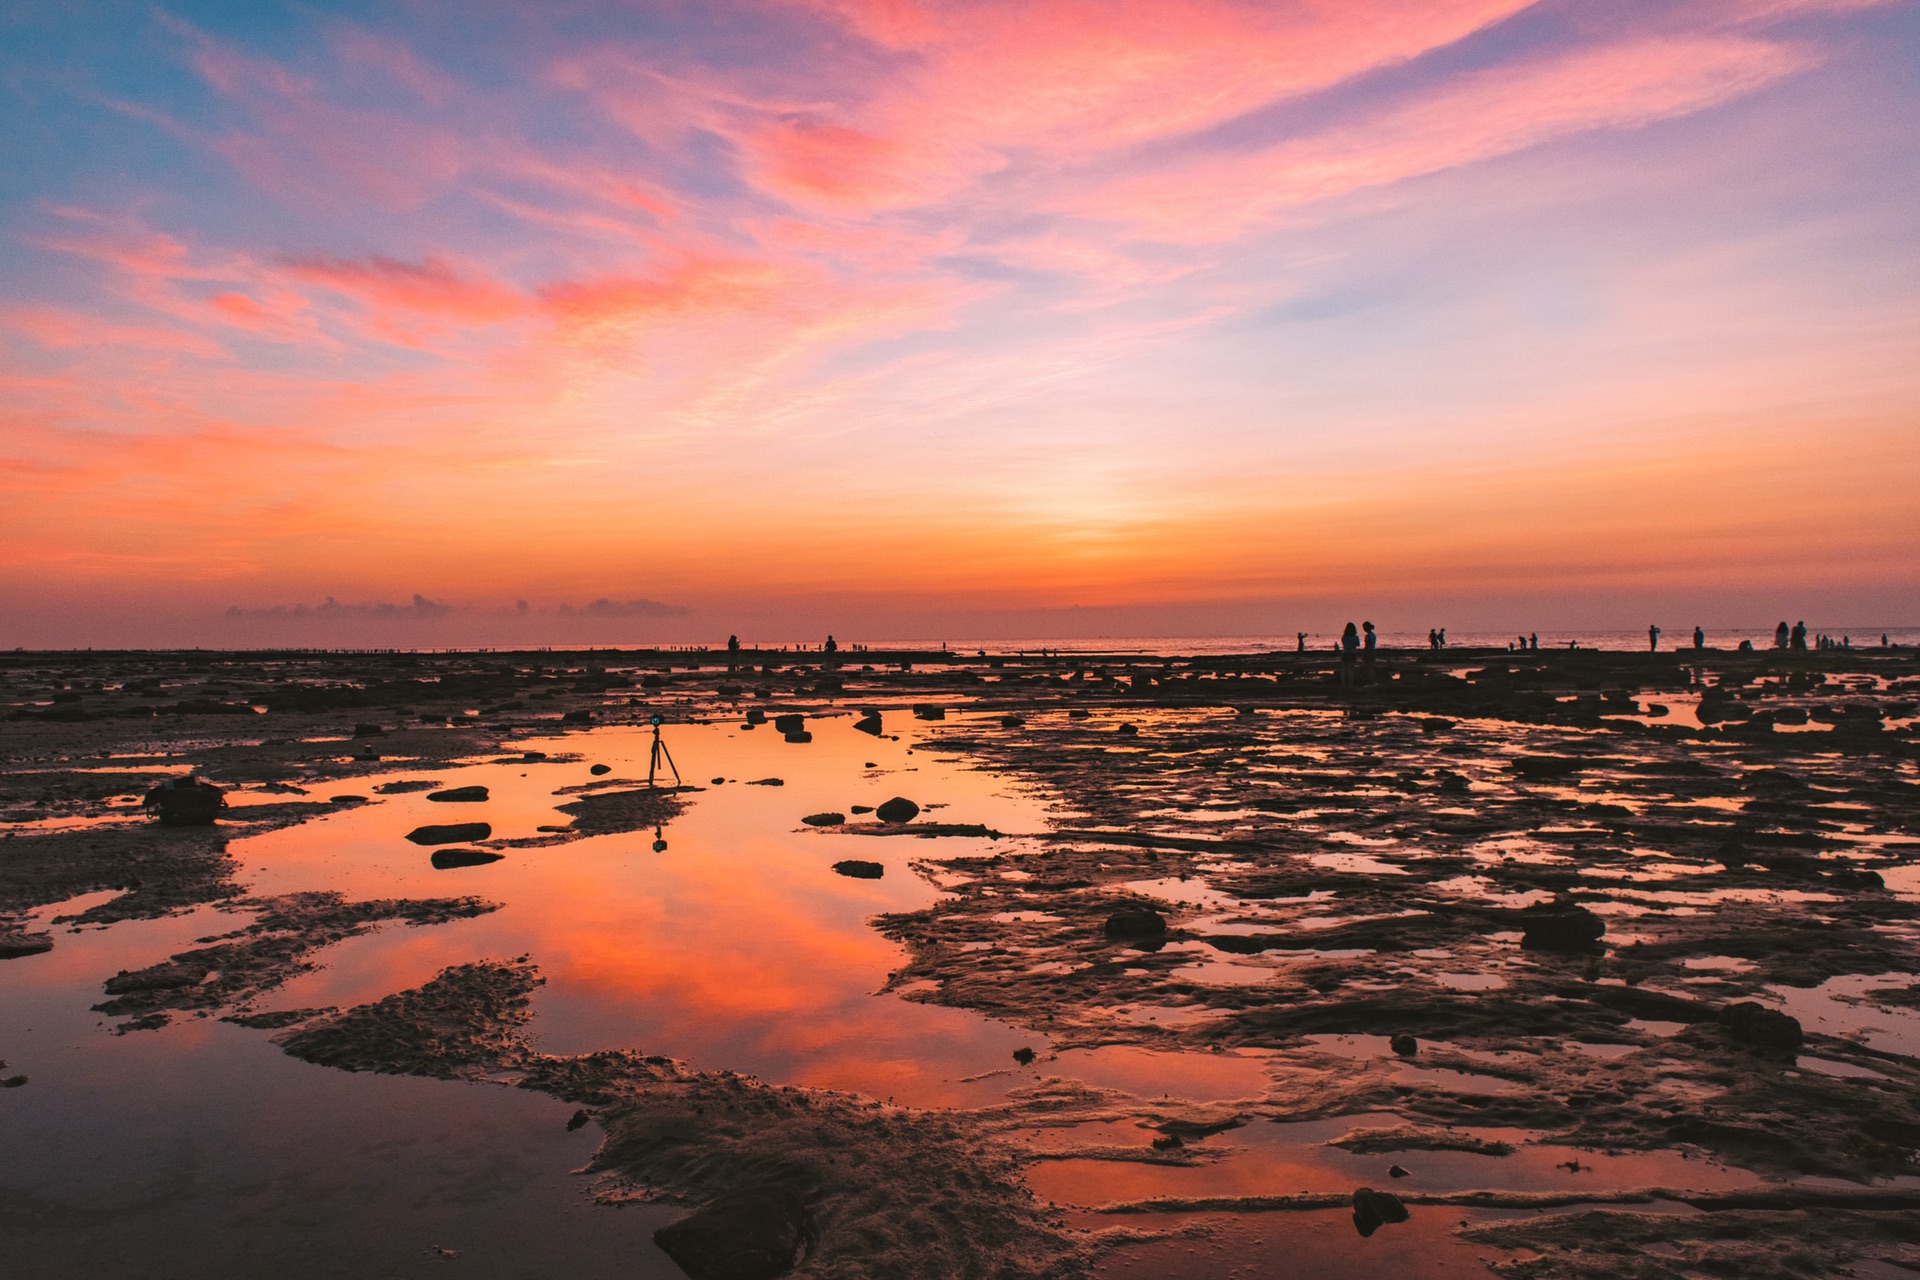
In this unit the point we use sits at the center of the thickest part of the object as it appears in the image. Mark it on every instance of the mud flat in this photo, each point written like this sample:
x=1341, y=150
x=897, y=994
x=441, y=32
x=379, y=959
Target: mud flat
x=1592, y=964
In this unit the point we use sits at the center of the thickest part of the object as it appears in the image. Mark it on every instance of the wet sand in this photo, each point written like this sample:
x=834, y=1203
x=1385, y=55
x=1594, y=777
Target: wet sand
x=1602, y=963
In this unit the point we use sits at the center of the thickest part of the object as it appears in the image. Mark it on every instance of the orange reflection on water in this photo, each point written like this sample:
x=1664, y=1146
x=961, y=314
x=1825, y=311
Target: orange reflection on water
x=737, y=946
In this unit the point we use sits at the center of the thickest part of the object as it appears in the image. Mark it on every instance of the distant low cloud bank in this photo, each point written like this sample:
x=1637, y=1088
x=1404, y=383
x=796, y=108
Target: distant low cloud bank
x=328, y=608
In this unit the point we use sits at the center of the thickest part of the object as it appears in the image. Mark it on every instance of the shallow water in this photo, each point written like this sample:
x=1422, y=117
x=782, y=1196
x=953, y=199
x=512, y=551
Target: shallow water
x=727, y=940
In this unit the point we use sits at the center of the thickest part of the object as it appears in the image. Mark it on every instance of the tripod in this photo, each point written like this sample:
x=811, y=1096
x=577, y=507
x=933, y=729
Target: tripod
x=661, y=756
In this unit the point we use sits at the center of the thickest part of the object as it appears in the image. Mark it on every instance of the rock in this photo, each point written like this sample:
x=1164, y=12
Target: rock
x=1547, y=766
x=754, y=1234
x=652, y=681
x=578, y=1120
x=405, y=785
x=824, y=819
x=459, y=795
x=1395, y=1171
x=1127, y=731
x=1404, y=1045
x=13, y=1082
x=450, y=832
x=185, y=802
x=859, y=870
x=767, y=782
x=601, y=770
x=898, y=809
x=579, y=715
x=1560, y=926
x=928, y=711
x=756, y=715
x=798, y=735
x=1078, y=713
x=1136, y=922
x=789, y=723
x=449, y=859
x=15, y=945
x=719, y=782
x=367, y=731
x=1374, y=1209
x=869, y=723
x=1024, y=1056
x=1764, y=1028
x=1012, y=722
x=347, y=799
x=863, y=808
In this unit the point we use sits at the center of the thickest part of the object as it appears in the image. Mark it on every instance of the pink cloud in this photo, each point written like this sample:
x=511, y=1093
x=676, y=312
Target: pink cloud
x=1490, y=113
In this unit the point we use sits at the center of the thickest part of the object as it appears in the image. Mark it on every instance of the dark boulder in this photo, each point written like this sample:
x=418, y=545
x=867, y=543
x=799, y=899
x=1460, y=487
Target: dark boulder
x=450, y=832
x=1561, y=926
x=1127, y=731
x=185, y=802
x=1024, y=1056
x=860, y=870
x=790, y=723
x=1404, y=1045
x=928, y=711
x=367, y=731
x=869, y=723
x=755, y=1234
x=756, y=715
x=824, y=819
x=1764, y=1028
x=15, y=945
x=600, y=770
x=459, y=795
x=449, y=859
x=1136, y=922
x=579, y=715
x=797, y=735
x=1012, y=722
x=898, y=809
x=1374, y=1209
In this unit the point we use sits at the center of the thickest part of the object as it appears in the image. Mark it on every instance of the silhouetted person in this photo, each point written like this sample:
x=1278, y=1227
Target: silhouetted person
x=1797, y=639
x=1349, y=648
x=1533, y=641
x=1653, y=638
x=1302, y=637
x=1433, y=638
x=733, y=653
x=1368, y=646
x=1523, y=643
x=831, y=646
x=1780, y=635
x=1443, y=637
x=1699, y=638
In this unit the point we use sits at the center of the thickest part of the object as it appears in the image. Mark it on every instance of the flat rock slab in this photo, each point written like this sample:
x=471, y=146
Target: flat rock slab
x=450, y=832
x=859, y=869
x=755, y=1234
x=449, y=859
x=459, y=795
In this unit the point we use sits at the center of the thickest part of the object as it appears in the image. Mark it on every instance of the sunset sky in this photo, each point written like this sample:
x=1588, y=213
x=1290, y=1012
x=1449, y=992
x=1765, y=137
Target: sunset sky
x=575, y=321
